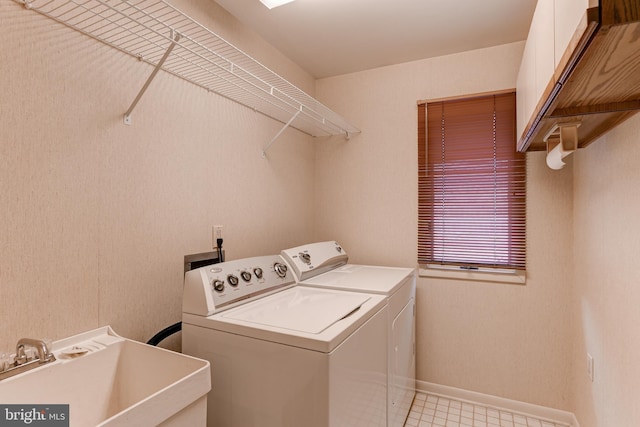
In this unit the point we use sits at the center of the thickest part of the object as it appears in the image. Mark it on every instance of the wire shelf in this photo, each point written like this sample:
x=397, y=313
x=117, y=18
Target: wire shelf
x=147, y=29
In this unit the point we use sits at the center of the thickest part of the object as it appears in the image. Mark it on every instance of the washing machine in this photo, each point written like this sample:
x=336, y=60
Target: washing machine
x=284, y=354
x=325, y=265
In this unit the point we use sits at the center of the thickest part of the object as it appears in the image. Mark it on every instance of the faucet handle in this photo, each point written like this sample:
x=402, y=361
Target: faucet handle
x=5, y=361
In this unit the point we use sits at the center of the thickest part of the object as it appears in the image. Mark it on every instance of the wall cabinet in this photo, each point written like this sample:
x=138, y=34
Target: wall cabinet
x=580, y=64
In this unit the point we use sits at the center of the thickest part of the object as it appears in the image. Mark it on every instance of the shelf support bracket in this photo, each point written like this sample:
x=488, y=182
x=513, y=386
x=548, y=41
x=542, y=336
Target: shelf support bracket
x=266, y=147
x=175, y=36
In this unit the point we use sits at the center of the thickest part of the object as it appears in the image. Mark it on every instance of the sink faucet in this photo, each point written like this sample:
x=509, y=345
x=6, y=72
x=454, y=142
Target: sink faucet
x=44, y=353
x=22, y=362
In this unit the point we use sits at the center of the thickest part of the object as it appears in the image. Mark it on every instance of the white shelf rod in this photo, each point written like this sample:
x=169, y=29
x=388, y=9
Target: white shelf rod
x=175, y=37
x=264, y=150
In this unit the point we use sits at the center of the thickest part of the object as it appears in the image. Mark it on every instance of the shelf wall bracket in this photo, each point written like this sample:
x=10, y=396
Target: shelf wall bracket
x=175, y=37
x=266, y=147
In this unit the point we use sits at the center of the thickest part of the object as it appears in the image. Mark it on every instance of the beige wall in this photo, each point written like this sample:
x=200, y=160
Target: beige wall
x=521, y=342
x=506, y=340
x=97, y=216
x=607, y=286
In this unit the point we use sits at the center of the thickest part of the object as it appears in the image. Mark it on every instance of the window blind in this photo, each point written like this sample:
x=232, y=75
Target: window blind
x=471, y=184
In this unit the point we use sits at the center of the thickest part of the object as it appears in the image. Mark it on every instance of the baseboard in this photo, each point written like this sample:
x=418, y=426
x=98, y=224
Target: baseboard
x=499, y=403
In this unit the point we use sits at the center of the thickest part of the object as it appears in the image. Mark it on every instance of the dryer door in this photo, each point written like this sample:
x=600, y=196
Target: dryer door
x=402, y=365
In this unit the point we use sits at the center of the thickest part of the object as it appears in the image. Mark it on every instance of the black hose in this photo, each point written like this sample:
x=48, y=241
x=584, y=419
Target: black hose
x=166, y=332
x=177, y=327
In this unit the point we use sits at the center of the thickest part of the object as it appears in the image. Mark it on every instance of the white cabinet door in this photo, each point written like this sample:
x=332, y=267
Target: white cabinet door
x=568, y=14
x=537, y=66
x=544, y=35
x=525, y=87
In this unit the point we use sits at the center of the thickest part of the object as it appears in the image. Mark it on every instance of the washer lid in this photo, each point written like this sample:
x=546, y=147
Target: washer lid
x=301, y=309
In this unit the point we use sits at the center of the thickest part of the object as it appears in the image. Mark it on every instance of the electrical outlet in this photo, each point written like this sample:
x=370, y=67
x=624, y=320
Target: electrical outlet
x=590, y=366
x=217, y=232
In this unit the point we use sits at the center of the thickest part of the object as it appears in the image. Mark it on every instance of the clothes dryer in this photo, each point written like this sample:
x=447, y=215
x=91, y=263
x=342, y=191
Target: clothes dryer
x=324, y=265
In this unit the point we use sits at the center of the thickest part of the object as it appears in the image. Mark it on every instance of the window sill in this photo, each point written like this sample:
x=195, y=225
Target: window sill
x=516, y=277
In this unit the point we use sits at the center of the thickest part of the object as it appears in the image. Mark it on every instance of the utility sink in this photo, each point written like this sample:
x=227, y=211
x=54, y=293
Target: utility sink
x=111, y=381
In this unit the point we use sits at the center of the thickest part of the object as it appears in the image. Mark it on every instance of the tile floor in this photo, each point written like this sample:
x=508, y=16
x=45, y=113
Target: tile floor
x=430, y=410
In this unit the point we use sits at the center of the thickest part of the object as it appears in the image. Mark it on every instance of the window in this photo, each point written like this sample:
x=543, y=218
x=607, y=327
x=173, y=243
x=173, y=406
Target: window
x=472, y=184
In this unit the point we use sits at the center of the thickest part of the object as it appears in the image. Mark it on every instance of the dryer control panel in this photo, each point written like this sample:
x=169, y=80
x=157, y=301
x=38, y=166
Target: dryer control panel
x=315, y=258
x=217, y=287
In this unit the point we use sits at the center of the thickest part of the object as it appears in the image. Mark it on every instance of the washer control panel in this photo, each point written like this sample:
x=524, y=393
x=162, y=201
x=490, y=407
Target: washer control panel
x=217, y=287
x=315, y=258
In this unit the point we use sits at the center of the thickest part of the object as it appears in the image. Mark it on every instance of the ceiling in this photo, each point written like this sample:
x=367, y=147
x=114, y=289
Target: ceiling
x=333, y=37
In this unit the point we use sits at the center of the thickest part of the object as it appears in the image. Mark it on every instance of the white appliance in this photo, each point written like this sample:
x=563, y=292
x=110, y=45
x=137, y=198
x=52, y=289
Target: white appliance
x=282, y=354
x=324, y=265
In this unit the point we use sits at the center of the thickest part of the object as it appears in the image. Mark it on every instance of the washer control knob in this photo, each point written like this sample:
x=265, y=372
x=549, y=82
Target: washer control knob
x=218, y=285
x=233, y=280
x=246, y=276
x=280, y=269
x=258, y=272
x=305, y=257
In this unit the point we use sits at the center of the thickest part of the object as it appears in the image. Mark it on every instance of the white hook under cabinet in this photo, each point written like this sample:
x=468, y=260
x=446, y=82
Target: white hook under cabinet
x=161, y=35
